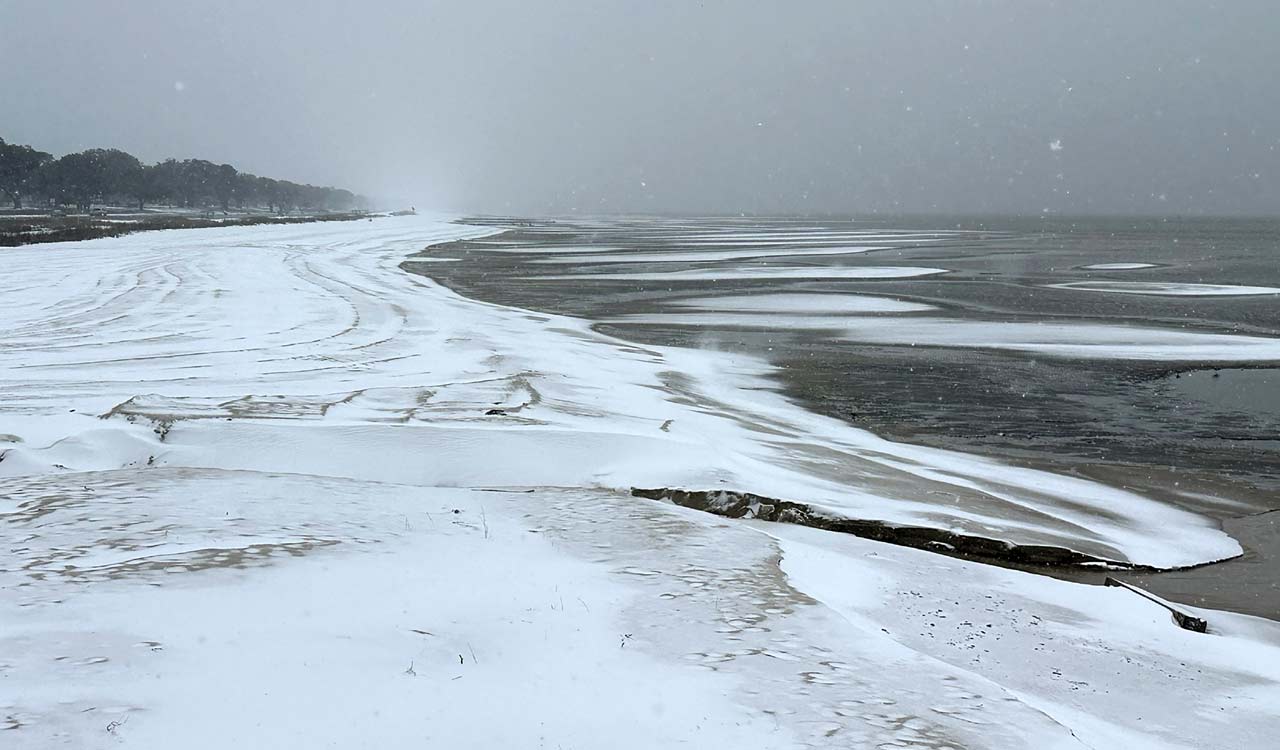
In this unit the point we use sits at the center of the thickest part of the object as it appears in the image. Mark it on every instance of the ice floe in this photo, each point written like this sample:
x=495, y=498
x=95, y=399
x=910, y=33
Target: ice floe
x=686, y=256
x=802, y=303
x=1059, y=339
x=1118, y=266
x=1167, y=288
x=767, y=272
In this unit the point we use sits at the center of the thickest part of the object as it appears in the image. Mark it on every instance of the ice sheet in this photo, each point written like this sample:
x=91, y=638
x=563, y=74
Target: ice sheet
x=803, y=303
x=1058, y=339
x=1118, y=266
x=767, y=272
x=686, y=256
x=1167, y=288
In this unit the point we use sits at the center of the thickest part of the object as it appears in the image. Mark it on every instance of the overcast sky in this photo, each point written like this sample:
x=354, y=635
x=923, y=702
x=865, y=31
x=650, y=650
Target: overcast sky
x=648, y=106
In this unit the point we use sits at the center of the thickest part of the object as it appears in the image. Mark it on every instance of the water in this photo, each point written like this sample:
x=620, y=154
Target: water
x=1249, y=393
x=1165, y=391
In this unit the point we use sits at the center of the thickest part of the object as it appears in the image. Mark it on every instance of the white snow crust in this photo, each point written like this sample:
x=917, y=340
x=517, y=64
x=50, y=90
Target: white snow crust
x=1118, y=266
x=686, y=256
x=767, y=271
x=1055, y=339
x=802, y=303
x=1168, y=288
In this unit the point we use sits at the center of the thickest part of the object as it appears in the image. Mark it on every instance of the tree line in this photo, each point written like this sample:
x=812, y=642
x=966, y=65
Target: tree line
x=112, y=176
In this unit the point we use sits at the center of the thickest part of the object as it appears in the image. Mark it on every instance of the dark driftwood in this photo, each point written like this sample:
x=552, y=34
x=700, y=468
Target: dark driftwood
x=1184, y=620
x=747, y=505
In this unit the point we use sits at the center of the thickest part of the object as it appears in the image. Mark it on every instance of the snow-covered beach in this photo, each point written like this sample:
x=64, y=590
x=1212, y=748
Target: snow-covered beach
x=392, y=516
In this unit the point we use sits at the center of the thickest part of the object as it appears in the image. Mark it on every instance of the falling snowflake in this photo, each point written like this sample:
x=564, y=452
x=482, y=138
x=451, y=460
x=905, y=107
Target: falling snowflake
x=1055, y=144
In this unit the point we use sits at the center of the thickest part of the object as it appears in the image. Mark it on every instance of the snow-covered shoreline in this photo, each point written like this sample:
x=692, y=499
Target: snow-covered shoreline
x=293, y=422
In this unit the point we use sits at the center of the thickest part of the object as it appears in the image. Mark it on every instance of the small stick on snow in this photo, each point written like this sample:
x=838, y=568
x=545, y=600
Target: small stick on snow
x=1184, y=620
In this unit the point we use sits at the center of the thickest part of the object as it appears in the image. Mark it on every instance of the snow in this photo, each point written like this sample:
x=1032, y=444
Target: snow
x=685, y=256
x=767, y=272
x=427, y=611
x=1053, y=645
x=1055, y=339
x=540, y=248
x=1167, y=288
x=803, y=303
x=1118, y=266
x=297, y=524
x=784, y=237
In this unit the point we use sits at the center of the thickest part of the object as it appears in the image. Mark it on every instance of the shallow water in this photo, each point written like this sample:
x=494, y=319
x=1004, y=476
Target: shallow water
x=1248, y=392
x=989, y=357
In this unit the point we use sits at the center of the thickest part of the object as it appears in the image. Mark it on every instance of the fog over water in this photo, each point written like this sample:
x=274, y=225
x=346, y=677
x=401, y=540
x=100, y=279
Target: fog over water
x=716, y=106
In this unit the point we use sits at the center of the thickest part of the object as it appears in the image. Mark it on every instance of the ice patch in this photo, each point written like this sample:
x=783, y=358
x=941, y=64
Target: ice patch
x=539, y=249
x=1052, y=339
x=676, y=256
x=801, y=238
x=1167, y=288
x=803, y=303
x=763, y=272
x=1118, y=266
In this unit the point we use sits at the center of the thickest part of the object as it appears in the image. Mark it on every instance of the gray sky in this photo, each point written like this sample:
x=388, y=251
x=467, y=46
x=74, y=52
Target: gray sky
x=716, y=106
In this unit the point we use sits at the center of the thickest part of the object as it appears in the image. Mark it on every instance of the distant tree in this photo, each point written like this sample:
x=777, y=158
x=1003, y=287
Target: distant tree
x=153, y=186
x=169, y=177
x=311, y=198
x=288, y=196
x=222, y=183
x=248, y=191
x=18, y=168
x=91, y=175
x=199, y=178
x=70, y=179
x=337, y=199
x=269, y=191
x=99, y=175
x=120, y=174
